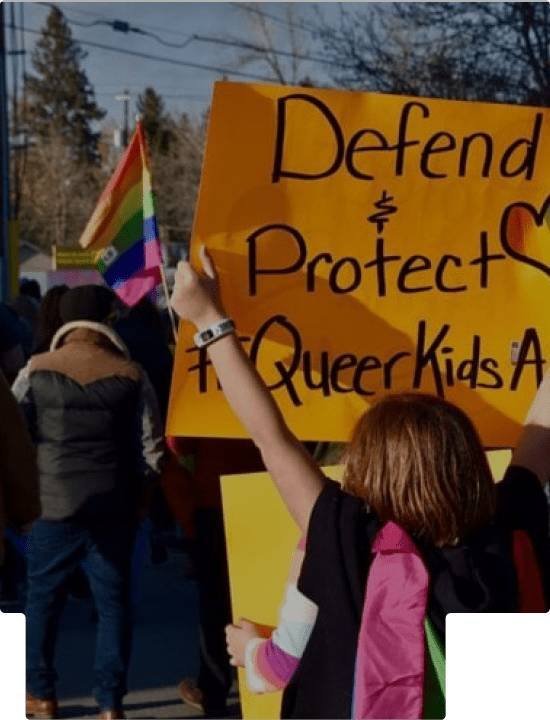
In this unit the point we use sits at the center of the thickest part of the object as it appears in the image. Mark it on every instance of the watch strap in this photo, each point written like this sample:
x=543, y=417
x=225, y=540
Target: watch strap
x=214, y=332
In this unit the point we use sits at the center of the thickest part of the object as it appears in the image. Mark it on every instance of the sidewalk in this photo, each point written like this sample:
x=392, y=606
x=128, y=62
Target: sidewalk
x=165, y=648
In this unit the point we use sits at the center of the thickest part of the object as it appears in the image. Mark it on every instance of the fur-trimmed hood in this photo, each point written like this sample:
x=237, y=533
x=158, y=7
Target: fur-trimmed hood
x=100, y=328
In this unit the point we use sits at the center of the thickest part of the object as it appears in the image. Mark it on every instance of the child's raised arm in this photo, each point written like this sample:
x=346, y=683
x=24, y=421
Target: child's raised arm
x=296, y=475
x=533, y=448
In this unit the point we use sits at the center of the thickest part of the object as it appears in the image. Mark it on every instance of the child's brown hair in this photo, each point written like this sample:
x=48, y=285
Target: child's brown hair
x=417, y=459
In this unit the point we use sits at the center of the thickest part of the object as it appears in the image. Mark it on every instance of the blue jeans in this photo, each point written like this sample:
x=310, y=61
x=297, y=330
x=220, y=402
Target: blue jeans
x=55, y=549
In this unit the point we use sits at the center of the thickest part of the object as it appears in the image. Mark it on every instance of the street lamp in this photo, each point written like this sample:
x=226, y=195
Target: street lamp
x=125, y=97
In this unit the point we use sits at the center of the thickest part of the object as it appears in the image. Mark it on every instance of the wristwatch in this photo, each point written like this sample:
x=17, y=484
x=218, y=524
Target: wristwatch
x=214, y=332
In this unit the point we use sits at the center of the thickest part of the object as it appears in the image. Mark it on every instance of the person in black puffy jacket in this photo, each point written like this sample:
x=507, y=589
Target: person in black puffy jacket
x=94, y=417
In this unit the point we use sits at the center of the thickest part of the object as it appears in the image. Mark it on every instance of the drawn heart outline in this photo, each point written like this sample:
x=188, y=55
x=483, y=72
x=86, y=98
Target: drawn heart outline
x=538, y=217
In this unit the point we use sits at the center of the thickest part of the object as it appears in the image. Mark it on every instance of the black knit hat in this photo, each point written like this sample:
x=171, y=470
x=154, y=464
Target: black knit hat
x=86, y=302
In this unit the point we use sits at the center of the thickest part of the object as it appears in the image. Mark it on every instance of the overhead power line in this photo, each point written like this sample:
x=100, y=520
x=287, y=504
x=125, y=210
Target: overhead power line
x=102, y=17
x=258, y=48
x=248, y=7
x=125, y=27
x=147, y=56
x=240, y=6
x=121, y=26
x=76, y=9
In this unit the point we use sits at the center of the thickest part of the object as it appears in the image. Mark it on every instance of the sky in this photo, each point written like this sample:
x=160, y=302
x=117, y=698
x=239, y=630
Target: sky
x=183, y=88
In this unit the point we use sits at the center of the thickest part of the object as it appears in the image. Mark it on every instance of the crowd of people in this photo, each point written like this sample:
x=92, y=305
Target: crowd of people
x=418, y=528
x=90, y=381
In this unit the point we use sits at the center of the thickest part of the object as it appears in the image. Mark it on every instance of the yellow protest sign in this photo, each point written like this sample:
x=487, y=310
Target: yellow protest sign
x=75, y=258
x=373, y=243
x=261, y=538
x=260, y=545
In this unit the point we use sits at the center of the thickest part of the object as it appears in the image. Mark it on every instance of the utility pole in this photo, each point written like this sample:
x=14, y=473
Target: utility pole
x=4, y=170
x=125, y=97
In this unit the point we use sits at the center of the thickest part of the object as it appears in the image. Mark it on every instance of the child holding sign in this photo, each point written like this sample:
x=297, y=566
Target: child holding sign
x=418, y=516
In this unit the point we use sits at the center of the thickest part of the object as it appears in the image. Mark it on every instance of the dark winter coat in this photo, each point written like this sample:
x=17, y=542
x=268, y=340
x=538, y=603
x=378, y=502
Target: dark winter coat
x=94, y=418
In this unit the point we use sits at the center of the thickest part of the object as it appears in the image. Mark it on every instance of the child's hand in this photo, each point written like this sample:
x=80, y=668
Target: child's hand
x=237, y=638
x=196, y=297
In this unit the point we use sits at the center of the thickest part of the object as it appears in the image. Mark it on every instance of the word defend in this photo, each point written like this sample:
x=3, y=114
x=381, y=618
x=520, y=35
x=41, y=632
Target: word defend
x=517, y=158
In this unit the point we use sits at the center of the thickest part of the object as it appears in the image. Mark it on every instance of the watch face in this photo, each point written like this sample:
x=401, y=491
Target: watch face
x=207, y=335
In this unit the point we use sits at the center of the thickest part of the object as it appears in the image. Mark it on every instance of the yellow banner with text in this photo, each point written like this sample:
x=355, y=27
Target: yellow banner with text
x=373, y=243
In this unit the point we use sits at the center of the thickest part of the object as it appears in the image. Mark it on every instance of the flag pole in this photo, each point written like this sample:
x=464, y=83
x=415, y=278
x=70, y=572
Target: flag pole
x=167, y=295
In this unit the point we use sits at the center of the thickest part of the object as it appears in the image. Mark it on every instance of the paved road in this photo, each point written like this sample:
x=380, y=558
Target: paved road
x=165, y=647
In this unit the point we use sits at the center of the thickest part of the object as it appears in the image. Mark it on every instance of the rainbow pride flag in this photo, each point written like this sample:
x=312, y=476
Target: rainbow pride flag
x=123, y=227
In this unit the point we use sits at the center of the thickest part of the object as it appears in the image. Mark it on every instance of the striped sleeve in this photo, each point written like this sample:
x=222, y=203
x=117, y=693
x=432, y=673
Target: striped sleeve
x=270, y=664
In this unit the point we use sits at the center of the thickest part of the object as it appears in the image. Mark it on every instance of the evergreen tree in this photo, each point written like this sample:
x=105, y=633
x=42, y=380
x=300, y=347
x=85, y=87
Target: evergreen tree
x=61, y=101
x=150, y=106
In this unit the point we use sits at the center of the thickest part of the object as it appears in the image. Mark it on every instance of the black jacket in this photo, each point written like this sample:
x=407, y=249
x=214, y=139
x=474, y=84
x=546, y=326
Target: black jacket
x=477, y=576
x=94, y=418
